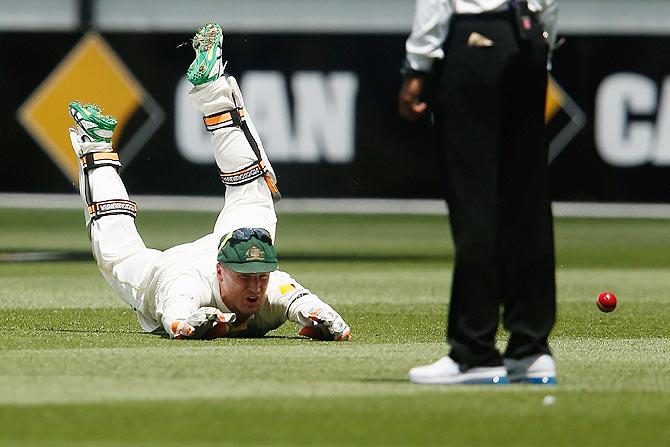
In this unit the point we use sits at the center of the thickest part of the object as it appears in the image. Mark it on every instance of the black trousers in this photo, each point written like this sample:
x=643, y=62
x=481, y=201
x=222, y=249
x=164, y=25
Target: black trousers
x=490, y=133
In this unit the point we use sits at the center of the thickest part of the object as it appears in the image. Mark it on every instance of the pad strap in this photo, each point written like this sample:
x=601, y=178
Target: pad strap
x=245, y=175
x=224, y=119
x=111, y=207
x=97, y=159
x=236, y=118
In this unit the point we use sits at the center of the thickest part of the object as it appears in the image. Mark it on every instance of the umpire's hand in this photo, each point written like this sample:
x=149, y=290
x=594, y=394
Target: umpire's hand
x=410, y=105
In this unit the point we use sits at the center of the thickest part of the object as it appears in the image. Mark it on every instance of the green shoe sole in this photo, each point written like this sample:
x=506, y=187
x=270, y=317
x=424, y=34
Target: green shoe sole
x=206, y=66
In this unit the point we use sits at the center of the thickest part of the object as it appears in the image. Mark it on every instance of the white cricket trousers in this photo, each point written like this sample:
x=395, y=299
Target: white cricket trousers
x=123, y=258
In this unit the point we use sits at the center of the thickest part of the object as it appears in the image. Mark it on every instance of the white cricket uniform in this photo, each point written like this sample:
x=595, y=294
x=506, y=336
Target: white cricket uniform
x=167, y=286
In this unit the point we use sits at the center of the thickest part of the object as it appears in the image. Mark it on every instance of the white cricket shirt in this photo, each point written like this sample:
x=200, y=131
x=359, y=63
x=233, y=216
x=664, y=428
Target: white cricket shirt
x=183, y=279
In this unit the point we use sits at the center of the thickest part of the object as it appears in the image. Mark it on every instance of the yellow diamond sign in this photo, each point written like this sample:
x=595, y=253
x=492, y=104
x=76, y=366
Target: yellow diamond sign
x=555, y=98
x=563, y=117
x=91, y=72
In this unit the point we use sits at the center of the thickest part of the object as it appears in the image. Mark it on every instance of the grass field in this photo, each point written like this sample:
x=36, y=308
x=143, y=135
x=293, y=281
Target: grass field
x=76, y=370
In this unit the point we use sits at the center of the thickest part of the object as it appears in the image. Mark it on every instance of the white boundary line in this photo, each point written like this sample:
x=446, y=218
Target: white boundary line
x=335, y=206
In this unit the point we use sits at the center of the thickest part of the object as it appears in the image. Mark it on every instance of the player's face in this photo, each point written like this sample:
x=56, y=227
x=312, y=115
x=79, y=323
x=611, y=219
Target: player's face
x=242, y=293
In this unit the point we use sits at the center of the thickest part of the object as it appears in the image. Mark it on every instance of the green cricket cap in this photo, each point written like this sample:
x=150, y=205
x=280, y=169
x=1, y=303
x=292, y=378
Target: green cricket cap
x=248, y=250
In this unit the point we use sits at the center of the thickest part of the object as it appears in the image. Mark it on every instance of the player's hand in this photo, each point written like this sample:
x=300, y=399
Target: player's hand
x=206, y=322
x=323, y=323
x=410, y=105
x=180, y=329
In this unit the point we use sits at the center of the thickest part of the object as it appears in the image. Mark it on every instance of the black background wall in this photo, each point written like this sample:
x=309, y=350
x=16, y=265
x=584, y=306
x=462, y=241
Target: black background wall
x=391, y=158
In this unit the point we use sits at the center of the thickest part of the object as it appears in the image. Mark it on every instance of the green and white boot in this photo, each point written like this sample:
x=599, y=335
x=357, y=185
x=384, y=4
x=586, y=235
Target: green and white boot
x=208, y=64
x=92, y=125
x=101, y=188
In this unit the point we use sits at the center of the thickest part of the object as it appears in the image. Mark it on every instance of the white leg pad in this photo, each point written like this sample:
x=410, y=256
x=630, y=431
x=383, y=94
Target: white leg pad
x=231, y=148
x=237, y=94
x=106, y=184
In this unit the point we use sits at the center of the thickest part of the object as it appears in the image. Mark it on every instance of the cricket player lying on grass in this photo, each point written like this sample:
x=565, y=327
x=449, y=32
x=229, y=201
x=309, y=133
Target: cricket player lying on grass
x=225, y=284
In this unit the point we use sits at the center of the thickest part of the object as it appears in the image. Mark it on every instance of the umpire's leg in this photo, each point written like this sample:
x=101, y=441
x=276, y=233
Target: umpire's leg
x=527, y=247
x=469, y=112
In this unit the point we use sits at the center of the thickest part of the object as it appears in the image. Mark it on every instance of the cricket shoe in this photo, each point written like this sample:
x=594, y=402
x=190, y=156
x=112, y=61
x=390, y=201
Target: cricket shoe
x=538, y=369
x=92, y=125
x=208, y=64
x=447, y=372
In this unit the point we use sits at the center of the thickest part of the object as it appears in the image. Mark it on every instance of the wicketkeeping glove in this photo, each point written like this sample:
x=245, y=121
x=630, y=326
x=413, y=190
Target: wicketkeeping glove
x=323, y=323
x=202, y=324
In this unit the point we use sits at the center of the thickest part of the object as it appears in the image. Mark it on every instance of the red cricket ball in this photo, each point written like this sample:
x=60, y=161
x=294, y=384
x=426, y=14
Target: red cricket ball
x=606, y=302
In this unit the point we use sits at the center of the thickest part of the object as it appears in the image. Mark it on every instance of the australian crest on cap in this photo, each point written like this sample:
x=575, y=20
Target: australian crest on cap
x=254, y=254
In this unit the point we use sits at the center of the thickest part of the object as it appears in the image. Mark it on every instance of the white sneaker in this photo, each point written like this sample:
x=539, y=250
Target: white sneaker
x=446, y=371
x=539, y=369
